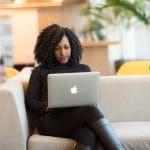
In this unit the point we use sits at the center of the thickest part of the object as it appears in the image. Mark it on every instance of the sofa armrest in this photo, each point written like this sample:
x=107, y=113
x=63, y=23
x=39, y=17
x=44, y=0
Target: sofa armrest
x=14, y=129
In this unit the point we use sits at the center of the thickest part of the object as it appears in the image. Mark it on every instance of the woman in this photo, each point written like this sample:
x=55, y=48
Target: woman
x=58, y=50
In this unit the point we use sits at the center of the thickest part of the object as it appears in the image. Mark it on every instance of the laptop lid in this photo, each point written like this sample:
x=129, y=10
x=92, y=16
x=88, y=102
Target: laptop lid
x=73, y=89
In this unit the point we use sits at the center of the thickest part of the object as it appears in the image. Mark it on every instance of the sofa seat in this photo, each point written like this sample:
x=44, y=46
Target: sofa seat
x=134, y=135
x=40, y=142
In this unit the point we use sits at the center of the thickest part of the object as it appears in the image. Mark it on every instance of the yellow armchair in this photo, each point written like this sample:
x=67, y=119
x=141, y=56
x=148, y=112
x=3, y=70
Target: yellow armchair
x=134, y=68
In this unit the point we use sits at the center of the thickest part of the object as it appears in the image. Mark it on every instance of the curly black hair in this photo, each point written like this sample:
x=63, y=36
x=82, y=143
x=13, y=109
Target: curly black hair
x=47, y=41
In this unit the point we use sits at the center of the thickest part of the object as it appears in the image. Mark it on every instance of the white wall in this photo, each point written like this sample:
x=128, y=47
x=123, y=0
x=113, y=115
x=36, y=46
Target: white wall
x=142, y=40
x=134, y=43
x=25, y=31
x=24, y=23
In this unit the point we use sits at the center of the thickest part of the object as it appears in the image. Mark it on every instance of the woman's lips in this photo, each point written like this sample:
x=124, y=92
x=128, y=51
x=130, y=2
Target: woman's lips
x=63, y=58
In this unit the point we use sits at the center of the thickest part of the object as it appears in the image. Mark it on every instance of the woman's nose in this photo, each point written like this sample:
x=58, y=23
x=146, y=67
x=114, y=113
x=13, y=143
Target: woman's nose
x=62, y=52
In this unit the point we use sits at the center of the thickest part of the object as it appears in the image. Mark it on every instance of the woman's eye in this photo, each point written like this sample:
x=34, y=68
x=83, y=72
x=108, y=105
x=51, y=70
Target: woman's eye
x=57, y=48
x=66, y=47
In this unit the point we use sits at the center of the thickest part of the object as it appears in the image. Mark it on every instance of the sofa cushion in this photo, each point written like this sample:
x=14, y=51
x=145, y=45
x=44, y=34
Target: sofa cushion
x=134, y=135
x=40, y=142
x=125, y=98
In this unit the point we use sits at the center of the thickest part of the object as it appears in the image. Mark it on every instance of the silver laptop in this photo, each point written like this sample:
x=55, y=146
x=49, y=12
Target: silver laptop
x=73, y=89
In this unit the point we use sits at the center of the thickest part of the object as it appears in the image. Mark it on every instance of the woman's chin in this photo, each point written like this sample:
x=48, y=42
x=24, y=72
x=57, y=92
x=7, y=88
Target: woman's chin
x=63, y=61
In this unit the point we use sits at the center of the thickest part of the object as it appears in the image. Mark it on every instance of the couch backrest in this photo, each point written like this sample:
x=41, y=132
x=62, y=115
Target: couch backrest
x=122, y=98
x=23, y=76
x=125, y=98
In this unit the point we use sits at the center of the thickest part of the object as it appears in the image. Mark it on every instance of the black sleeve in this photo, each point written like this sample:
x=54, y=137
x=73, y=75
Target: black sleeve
x=87, y=68
x=33, y=94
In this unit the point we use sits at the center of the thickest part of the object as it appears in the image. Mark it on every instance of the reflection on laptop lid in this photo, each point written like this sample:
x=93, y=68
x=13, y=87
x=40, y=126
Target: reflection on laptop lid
x=73, y=89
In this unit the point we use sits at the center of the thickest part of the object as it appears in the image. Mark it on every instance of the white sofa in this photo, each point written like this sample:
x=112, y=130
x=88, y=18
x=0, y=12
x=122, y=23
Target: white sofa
x=124, y=100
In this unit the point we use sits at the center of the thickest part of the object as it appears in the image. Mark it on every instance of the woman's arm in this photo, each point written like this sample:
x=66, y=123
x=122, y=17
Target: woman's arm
x=33, y=96
x=86, y=68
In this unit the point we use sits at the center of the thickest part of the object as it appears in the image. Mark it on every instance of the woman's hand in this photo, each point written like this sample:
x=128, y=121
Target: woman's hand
x=47, y=109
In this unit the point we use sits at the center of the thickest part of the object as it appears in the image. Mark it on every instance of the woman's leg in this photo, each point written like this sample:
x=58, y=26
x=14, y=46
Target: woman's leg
x=60, y=122
x=64, y=122
x=80, y=146
x=106, y=135
x=85, y=137
x=102, y=128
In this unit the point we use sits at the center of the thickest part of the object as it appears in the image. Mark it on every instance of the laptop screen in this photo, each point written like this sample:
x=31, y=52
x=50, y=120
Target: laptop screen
x=73, y=89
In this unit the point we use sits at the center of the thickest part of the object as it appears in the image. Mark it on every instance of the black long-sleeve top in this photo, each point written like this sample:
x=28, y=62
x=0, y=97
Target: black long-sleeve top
x=37, y=96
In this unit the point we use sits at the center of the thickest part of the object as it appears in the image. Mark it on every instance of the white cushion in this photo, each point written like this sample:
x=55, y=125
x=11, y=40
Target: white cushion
x=40, y=142
x=125, y=98
x=134, y=135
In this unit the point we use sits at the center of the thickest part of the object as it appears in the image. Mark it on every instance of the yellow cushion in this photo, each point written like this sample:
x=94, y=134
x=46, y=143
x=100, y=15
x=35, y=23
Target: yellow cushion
x=10, y=72
x=134, y=68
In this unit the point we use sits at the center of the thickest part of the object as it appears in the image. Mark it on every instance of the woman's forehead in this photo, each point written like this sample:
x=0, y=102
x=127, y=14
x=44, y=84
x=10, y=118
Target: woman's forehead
x=64, y=40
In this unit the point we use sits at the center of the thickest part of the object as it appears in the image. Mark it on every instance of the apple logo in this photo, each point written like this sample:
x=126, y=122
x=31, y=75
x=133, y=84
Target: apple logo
x=74, y=90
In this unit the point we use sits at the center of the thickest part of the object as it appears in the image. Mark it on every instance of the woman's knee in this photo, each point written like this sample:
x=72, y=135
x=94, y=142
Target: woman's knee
x=92, y=114
x=86, y=136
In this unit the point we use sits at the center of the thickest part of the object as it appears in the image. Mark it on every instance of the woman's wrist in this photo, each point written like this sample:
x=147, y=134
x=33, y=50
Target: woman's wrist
x=47, y=109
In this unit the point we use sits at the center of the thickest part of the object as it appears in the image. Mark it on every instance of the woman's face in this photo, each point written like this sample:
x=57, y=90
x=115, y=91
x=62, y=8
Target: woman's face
x=63, y=51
